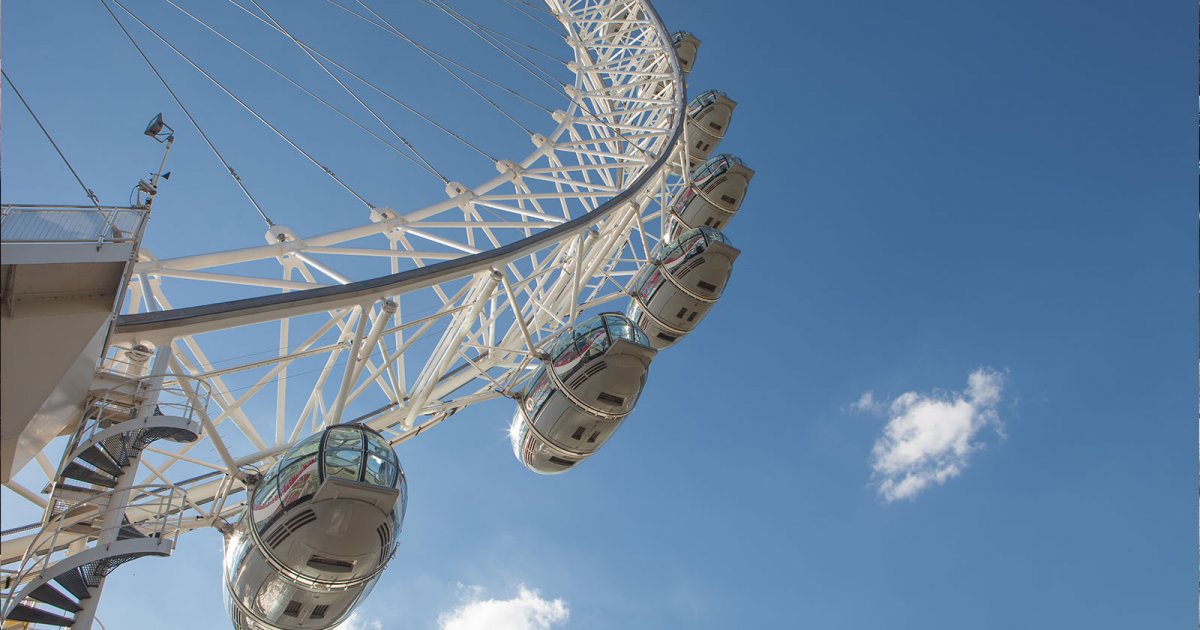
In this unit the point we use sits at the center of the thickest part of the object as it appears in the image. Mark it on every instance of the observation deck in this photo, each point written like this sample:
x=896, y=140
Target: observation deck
x=62, y=273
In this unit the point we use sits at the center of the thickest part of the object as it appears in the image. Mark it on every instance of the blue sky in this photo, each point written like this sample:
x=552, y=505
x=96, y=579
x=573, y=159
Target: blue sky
x=1005, y=190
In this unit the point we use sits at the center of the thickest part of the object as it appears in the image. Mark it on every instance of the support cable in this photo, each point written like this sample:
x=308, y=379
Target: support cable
x=443, y=66
x=539, y=8
x=477, y=29
x=530, y=16
x=366, y=82
x=236, y=178
x=527, y=45
x=245, y=106
x=87, y=191
x=494, y=43
x=307, y=91
x=349, y=91
x=430, y=51
x=462, y=19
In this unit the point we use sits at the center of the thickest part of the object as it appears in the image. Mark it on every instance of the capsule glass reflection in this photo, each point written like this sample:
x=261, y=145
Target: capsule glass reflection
x=578, y=398
x=717, y=189
x=320, y=528
x=686, y=46
x=680, y=284
x=708, y=118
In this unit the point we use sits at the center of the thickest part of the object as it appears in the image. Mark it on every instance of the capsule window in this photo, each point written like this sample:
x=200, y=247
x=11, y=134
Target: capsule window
x=681, y=313
x=692, y=317
x=318, y=612
x=592, y=439
x=298, y=480
x=344, y=454
x=332, y=565
x=293, y=609
x=578, y=434
x=560, y=461
x=382, y=467
x=610, y=399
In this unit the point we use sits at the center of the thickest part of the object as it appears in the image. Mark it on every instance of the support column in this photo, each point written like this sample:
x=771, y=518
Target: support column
x=110, y=525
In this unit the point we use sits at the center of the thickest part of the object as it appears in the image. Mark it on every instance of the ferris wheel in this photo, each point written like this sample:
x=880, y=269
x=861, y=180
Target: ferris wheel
x=553, y=283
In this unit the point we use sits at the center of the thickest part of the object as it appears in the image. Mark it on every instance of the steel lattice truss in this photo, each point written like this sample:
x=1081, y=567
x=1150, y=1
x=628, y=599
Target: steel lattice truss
x=466, y=291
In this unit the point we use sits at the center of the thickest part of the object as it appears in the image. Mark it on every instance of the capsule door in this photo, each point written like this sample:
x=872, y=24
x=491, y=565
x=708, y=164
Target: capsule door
x=708, y=118
x=673, y=293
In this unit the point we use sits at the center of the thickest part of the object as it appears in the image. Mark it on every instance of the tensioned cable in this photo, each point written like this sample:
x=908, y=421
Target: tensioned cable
x=349, y=91
x=368, y=83
x=254, y=113
x=530, y=16
x=467, y=23
x=237, y=178
x=459, y=17
x=301, y=87
x=406, y=38
x=492, y=37
x=440, y=4
x=430, y=51
x=526, y=44
x=539, y=8
x=88, y=191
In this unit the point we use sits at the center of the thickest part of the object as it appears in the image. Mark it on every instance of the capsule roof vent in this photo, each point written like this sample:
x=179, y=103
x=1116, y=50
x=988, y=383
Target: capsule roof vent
x=289, y=527
x=591, y=371
x=385, y=539
x=716, y=182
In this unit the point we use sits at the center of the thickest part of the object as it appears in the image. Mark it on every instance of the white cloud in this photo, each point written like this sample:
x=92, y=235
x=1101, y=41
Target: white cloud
x=526, y=611
x=867, y=403
x=356, y=622
x=929, y=438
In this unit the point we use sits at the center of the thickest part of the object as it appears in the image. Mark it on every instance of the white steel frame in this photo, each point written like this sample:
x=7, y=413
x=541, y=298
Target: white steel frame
x=470, y=300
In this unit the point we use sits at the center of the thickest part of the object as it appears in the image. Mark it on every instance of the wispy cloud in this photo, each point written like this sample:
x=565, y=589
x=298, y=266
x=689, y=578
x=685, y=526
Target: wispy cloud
x=356, y=622
x=929, y=438
x=867, y=403
x=527, y=611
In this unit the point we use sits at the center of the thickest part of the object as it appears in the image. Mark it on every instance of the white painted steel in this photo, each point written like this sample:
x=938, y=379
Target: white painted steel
x=478, y=283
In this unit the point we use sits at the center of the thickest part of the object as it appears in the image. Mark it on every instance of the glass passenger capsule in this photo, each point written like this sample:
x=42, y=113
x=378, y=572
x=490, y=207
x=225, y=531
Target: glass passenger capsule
x=716, y=193
x=686, y=46
x=578, y=398
x=320, y=527
x=708, y=118
x=680, y=283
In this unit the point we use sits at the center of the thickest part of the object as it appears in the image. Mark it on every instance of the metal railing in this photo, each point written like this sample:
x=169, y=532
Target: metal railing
x=28, y=223
x=154, y=511
x=171, y=395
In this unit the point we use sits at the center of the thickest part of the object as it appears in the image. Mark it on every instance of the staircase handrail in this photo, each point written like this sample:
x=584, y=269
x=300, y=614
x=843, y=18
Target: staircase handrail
x=161, y=509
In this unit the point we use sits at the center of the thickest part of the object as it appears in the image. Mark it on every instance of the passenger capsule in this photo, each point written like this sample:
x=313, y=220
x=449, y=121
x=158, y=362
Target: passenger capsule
x=576, y=400
x=714, y=196
x=680, y=283
x=319, y=529
x=708, y=118
x=686, y=47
